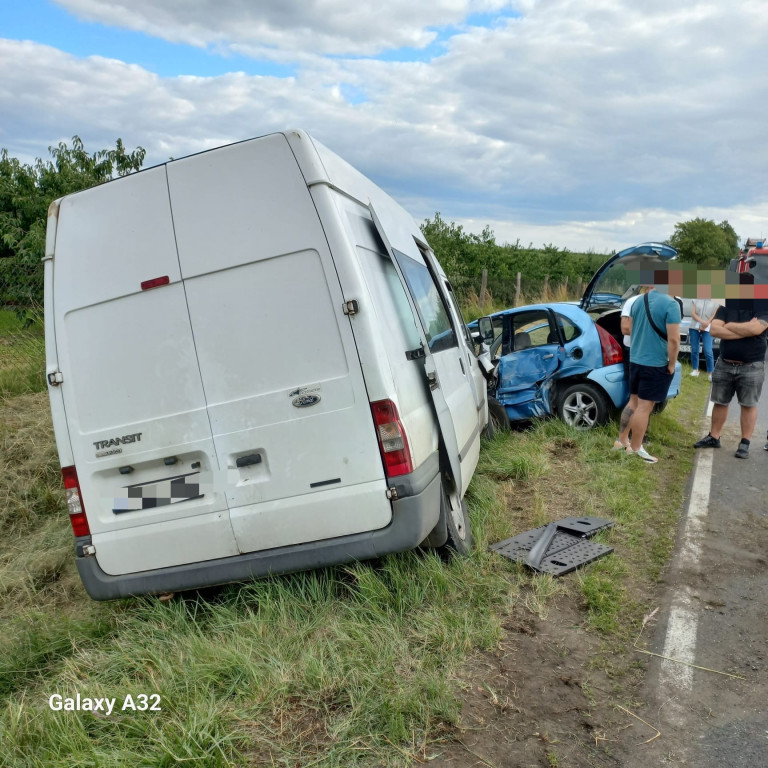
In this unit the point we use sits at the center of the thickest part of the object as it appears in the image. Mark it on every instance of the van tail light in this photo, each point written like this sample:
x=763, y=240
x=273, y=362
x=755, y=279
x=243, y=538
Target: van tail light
x=155, y=282
x=612, y=351
x=393, y=442
x=75, y=502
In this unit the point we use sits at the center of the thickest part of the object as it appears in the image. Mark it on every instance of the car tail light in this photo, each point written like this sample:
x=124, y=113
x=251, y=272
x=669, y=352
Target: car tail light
x=393, y=442
x=75, y=502
x=612, y=351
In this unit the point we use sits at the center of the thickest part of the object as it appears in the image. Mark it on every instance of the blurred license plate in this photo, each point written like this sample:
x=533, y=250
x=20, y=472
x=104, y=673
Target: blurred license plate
x=685, y=348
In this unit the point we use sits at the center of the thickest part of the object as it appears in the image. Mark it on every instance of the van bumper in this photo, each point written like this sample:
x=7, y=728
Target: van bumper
x=414, y=514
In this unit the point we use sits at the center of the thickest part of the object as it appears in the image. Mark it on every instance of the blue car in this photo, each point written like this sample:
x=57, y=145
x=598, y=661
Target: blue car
x=565, y=359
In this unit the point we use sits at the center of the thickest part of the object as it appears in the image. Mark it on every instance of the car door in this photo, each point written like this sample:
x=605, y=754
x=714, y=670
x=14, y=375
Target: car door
x=531, y=354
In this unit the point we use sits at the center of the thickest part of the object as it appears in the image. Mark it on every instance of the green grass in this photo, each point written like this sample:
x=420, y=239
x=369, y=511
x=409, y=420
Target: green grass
x=339, y=667
x=22, y=355
x=329, y=666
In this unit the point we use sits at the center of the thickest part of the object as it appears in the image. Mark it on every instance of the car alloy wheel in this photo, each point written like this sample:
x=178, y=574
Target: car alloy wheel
x=582, y=406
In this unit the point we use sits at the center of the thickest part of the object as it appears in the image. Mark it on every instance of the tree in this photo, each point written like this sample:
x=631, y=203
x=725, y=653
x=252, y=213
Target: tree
x=731, y=237
x=465, y=255
x=26, y=191
x=462, y=254
x=701, y=241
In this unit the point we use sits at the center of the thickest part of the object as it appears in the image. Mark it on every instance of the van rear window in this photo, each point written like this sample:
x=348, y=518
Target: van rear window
x=432, y=310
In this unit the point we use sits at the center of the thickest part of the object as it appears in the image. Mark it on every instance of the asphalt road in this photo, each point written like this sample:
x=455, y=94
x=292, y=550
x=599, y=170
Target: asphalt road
x=715, y=616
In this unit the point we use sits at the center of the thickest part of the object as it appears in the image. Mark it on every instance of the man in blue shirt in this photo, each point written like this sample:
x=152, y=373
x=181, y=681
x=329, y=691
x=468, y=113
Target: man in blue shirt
x=655, y=345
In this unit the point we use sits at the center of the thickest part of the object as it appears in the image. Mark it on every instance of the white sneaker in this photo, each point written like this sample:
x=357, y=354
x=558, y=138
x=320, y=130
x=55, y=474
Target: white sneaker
x=695, y=372
x=643, y=454
x=709, y=376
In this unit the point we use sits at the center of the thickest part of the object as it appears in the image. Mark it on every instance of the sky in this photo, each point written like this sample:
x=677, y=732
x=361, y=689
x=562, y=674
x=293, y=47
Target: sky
x=590, y=125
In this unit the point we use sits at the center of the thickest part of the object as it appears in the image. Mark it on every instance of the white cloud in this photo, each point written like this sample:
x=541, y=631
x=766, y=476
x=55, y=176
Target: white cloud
x=315, y=26
x=630, y=228
x=586, y=125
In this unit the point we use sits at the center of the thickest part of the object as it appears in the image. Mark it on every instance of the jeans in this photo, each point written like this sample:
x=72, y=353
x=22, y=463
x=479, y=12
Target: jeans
x=706, y=342
x=745, y=380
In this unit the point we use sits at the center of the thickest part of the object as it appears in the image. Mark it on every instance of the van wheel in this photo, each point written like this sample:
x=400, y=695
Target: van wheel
x=457, y=524
x=582, y=405
x=659, y=407
x=498, y=421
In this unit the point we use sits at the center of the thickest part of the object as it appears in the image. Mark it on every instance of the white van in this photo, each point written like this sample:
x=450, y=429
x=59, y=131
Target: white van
x=256, y=365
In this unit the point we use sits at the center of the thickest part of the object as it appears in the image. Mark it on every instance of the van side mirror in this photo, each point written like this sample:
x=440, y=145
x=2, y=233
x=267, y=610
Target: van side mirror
x=485, y=325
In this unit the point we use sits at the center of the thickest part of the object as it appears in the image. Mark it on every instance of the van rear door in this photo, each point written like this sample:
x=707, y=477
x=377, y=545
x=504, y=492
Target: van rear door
x=131, y=385
x=449, y=376
x=286, y=398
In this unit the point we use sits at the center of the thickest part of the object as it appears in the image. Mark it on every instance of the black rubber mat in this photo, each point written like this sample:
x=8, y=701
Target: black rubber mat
x=567, y=550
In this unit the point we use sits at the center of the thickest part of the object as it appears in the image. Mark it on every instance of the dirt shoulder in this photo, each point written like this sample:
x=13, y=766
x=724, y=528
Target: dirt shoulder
x=536, y=700
x=564, y=686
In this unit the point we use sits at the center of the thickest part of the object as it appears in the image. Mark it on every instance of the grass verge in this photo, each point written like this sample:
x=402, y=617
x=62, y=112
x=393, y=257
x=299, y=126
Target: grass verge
x=344, y=666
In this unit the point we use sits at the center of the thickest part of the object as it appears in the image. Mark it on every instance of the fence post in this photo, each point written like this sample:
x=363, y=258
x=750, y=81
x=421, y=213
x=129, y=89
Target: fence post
x=483, y=287
x=545, y=292
x=579, y=288
x=517, y=290
x=565, y=287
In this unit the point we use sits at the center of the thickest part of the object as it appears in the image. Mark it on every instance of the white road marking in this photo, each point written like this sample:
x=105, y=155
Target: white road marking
x=680, y=641
x=680, y=644
x=698, y=506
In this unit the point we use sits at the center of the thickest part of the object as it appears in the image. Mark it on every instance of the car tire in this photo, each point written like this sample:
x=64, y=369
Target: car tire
x=659, y=407
x=582, y=405
x=498, y=421
x=459, y=541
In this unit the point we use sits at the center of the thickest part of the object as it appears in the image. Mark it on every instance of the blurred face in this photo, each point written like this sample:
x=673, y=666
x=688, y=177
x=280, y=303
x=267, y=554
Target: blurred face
x=675, y=282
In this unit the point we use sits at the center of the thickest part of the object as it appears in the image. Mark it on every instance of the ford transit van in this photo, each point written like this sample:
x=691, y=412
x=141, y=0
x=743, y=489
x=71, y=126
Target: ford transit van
x=256, y=365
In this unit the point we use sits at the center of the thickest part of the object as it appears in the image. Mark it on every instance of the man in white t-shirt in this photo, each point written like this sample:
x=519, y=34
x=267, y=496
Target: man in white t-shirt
x=626, y=329
x=626, y=311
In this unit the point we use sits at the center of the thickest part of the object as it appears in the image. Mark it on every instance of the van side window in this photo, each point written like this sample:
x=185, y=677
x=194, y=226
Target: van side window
x=390, y=296
x=457, y=314
x=432, y=310
x=403, y=311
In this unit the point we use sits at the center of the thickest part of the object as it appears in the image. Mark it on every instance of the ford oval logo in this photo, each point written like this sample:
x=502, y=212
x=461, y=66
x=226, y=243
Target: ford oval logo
x=305, y=401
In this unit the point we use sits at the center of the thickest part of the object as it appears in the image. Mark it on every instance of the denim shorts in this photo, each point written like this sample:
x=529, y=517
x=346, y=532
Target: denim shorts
x=745, y=381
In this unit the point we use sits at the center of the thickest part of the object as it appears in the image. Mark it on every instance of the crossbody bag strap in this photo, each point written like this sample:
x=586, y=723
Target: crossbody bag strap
x=650, y=319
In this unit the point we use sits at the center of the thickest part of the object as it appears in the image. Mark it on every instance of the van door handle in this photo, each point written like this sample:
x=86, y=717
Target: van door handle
x=548, y=357
x=246, y=461
x=434, y=382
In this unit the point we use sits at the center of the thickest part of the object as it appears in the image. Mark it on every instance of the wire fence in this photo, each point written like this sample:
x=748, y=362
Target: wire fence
x=22, y=336
x=488, y=294
x=22, y=351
